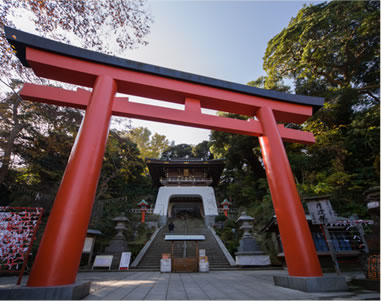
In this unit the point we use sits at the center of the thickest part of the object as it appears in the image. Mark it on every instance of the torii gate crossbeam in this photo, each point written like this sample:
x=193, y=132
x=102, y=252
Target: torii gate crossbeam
x=60, y=250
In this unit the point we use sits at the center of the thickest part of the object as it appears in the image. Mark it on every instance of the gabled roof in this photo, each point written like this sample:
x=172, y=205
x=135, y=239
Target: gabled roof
x=214, y=167
x=20, y=40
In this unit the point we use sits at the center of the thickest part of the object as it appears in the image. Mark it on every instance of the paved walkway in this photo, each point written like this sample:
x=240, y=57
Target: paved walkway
x=215, y=285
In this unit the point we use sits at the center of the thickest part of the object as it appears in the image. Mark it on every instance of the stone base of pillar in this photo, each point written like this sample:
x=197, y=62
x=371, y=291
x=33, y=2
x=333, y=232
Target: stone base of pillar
x=251, y=259
x=312, y=284
x=75, y=291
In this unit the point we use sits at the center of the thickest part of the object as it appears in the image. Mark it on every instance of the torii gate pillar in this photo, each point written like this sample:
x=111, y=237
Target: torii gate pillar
x=57, y=261
x=289, y=211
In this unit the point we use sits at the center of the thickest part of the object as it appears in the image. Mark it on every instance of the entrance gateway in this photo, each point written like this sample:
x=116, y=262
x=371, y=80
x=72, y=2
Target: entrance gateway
x=186, y=187
x=59, y=254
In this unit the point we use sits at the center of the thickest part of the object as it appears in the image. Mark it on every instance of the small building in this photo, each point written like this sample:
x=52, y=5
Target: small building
x=346, y=241
x=186, y=187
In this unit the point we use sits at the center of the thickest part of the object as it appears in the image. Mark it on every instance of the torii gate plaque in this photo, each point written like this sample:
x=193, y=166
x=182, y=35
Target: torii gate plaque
x=58, y=257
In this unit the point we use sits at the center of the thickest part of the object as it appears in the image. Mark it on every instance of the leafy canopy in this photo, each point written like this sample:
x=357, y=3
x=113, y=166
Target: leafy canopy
x=334, y=44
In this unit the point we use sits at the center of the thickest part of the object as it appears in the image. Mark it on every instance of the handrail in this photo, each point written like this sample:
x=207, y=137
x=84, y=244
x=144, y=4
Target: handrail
x=145, y=248
x=229, y=258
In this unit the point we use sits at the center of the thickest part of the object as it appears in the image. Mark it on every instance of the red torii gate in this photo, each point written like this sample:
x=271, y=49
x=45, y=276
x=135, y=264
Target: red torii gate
x=58, y=257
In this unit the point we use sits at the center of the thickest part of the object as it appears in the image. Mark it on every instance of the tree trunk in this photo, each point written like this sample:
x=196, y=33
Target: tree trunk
x=11, y=140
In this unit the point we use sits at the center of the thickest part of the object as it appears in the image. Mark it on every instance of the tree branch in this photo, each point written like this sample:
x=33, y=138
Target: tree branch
x=377, y=99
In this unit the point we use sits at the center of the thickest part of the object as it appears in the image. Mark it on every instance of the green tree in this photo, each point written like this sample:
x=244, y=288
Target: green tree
x=149, y=146
x=329, y=56
x=202, y=150
x=96, y=25
x=122, y=164
x=336, y=58
x=318, y=48
x=178, y=151
x=122, y=175
x=244, y=178
x=25, y=128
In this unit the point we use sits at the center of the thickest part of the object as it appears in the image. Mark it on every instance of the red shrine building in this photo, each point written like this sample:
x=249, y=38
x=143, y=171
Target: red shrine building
x=186, y=187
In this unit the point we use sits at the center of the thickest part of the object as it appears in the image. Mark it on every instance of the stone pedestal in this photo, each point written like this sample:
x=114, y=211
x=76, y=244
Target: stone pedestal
x=312, y=284
x=252, y=259
x=249, y=253
x=119, y=243
x=76, y=291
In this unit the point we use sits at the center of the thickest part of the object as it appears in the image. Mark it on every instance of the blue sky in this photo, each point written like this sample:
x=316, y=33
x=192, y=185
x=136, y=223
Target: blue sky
x=221, y=39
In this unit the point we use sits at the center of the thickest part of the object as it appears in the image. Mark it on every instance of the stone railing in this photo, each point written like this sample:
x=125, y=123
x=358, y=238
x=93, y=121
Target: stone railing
x=186, y=181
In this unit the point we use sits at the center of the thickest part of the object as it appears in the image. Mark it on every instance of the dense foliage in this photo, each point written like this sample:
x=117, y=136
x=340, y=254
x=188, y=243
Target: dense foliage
x=336, y=58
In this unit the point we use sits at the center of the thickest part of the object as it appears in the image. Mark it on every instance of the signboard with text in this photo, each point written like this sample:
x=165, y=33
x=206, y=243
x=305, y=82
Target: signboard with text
x=88, y=246
x=321, y=212
x=125, y=261
x=103, y=261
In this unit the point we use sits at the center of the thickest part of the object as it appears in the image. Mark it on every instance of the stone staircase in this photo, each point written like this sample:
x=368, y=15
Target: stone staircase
x=151, y=259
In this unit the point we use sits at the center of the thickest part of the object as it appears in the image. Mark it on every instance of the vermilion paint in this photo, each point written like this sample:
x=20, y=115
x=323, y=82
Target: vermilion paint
x=296, y=237
x=60, y=250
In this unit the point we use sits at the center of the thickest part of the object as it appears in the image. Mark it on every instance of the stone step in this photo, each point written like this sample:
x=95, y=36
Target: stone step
x=195, y=227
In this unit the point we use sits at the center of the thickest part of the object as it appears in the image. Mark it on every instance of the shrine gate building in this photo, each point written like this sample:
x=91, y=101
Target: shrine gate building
x=186, y=186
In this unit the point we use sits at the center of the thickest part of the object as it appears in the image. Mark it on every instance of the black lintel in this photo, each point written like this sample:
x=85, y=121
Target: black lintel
x=20, y=40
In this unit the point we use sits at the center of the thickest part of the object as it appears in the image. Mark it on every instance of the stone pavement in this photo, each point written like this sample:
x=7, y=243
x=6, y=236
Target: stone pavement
x=215, y=285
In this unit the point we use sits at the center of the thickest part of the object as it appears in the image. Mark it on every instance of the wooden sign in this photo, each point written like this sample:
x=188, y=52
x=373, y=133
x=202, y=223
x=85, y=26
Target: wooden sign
x=88, y=246
x=102, y=261
x=321, y=212
x=125, y=261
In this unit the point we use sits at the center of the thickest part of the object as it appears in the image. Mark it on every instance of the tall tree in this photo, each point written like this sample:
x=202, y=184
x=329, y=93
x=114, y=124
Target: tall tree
x=103, y=26
x=319, y=48
x=121, y=165
x=26, y=124
x=149, y=146
x=337, y=58
x=178, y=151
x=202, y=150
x=106, y=26
x=122, y=175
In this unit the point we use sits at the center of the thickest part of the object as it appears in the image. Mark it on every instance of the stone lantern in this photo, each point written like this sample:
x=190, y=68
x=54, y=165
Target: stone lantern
x=119, y=243
x=249, y=253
